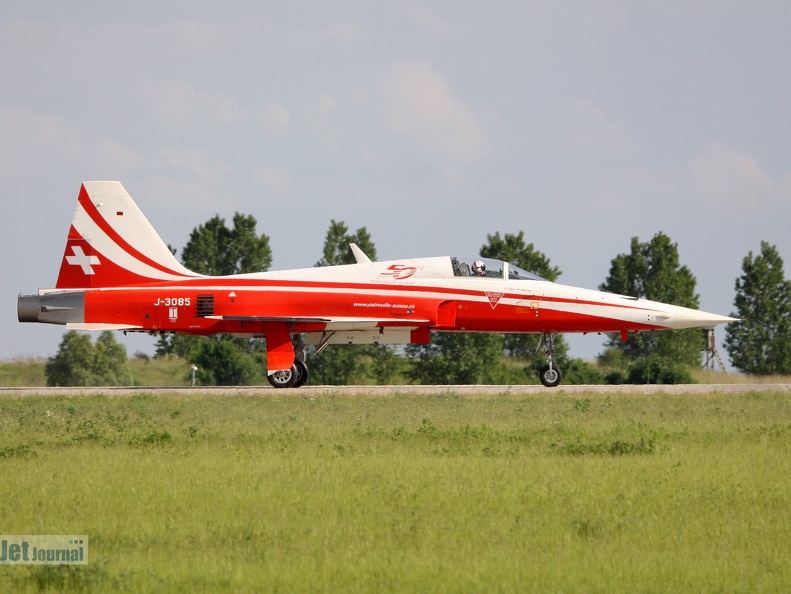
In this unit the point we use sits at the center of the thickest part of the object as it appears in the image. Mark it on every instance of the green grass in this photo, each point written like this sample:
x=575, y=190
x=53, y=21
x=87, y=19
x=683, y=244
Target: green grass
x=299, y=493
x=160, y=371
x=23, y=372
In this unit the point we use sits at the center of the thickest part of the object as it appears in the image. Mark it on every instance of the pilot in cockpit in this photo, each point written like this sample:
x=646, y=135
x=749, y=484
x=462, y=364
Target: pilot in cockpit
x=479, y=268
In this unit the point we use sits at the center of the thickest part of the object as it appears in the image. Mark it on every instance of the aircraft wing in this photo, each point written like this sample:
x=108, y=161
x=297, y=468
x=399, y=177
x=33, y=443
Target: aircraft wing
x=101, y=326
x=324, y=320
x=287, y=319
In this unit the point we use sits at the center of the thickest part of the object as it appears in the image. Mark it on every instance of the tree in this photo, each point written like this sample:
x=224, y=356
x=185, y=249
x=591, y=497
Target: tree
x=655, y=369
x=222, y=361
x=72, y=365
x=215, y=249
x=760, y=342
x=337, y=365
x=342, y=364
x=459, y=358
x=652, y=271
x=577, y=371
x=336, y=244
x=79, y=363
x=110, y=361
x=177, y=345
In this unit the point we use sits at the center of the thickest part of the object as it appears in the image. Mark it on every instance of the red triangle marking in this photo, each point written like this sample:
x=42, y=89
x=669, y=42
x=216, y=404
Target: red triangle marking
x=494, y=298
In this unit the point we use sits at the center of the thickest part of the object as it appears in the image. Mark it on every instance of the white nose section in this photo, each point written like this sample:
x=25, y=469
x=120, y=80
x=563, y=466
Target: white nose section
x=682, y=317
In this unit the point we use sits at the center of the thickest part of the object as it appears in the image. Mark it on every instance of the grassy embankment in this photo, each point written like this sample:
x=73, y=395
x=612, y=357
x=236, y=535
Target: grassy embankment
x=294, y=493
x=169, y=371
x=166, y=371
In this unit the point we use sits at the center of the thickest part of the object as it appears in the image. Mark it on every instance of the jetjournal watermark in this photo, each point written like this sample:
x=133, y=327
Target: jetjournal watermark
x=43, y=549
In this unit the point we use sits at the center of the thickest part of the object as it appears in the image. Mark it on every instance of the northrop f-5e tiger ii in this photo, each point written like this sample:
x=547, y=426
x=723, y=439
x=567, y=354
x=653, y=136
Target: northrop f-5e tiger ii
x=117, y=273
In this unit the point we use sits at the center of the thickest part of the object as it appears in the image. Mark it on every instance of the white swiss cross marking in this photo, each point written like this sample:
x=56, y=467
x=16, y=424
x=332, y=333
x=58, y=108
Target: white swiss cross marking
x=82, y=260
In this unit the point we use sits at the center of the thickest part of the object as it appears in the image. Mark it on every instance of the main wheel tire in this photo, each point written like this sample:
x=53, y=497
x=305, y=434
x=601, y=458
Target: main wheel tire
x=550, y=376
x=302, y=373
x=285, y=378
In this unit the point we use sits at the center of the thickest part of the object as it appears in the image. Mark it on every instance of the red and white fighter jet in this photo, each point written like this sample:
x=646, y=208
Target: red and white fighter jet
x=117, y=273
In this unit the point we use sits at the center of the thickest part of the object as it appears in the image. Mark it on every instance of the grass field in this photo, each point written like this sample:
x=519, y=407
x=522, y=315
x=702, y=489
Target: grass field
x=293, y=493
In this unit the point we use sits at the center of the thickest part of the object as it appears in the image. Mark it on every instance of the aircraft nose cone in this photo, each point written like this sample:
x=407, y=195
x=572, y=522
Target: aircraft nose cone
x=691, y=318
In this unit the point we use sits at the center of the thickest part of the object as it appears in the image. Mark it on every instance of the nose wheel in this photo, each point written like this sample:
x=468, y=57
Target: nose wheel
x=550, y=374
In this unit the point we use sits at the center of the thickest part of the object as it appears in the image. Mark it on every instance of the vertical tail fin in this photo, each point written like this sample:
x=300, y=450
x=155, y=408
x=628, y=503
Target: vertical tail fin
x=112, y=244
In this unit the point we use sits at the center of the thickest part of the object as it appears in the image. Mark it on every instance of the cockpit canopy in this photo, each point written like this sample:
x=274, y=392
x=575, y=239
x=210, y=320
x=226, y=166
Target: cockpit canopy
x=490, y=268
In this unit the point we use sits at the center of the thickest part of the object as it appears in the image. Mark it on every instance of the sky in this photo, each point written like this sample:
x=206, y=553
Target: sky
x=432, y=124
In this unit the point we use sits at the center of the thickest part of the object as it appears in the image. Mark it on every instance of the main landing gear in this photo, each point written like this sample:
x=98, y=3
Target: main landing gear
x=550, y=374
x=297, y=375
x=294, y=377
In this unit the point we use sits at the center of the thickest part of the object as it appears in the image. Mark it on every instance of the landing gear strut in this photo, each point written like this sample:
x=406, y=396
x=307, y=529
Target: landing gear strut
x=297, y=375
x=550, y=374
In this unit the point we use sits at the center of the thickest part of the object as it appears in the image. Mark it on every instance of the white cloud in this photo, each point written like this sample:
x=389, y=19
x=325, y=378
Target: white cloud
x=205, y=36
x=320, y=109
x=454, y=175
x=368, y=155
x=593, y=130
x=272, y=179
x=279, y=115
x=342, y=32
x=26, y=132
x=427, y=19
x=29, y=134
x=176, y=100
x=179, y=202
x=639, y=181
x=32, y=140
x=325, y=104
x=630, y=192
x=418, y=102
x=117, y=160
x=359, y=96
x=734, y=180
x=196, y=161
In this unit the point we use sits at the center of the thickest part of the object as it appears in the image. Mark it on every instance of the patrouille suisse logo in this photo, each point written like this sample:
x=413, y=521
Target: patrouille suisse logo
x=494, y=298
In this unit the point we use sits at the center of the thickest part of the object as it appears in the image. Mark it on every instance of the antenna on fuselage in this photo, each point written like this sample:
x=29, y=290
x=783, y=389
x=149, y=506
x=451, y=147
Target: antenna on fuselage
x=359, y=255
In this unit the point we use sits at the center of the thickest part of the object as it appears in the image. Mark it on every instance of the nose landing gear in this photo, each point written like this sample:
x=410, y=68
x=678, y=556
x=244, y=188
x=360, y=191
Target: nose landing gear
x=550, y=374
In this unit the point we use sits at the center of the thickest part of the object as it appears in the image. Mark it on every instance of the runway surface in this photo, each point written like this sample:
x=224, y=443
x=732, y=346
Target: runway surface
x=400, y=390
